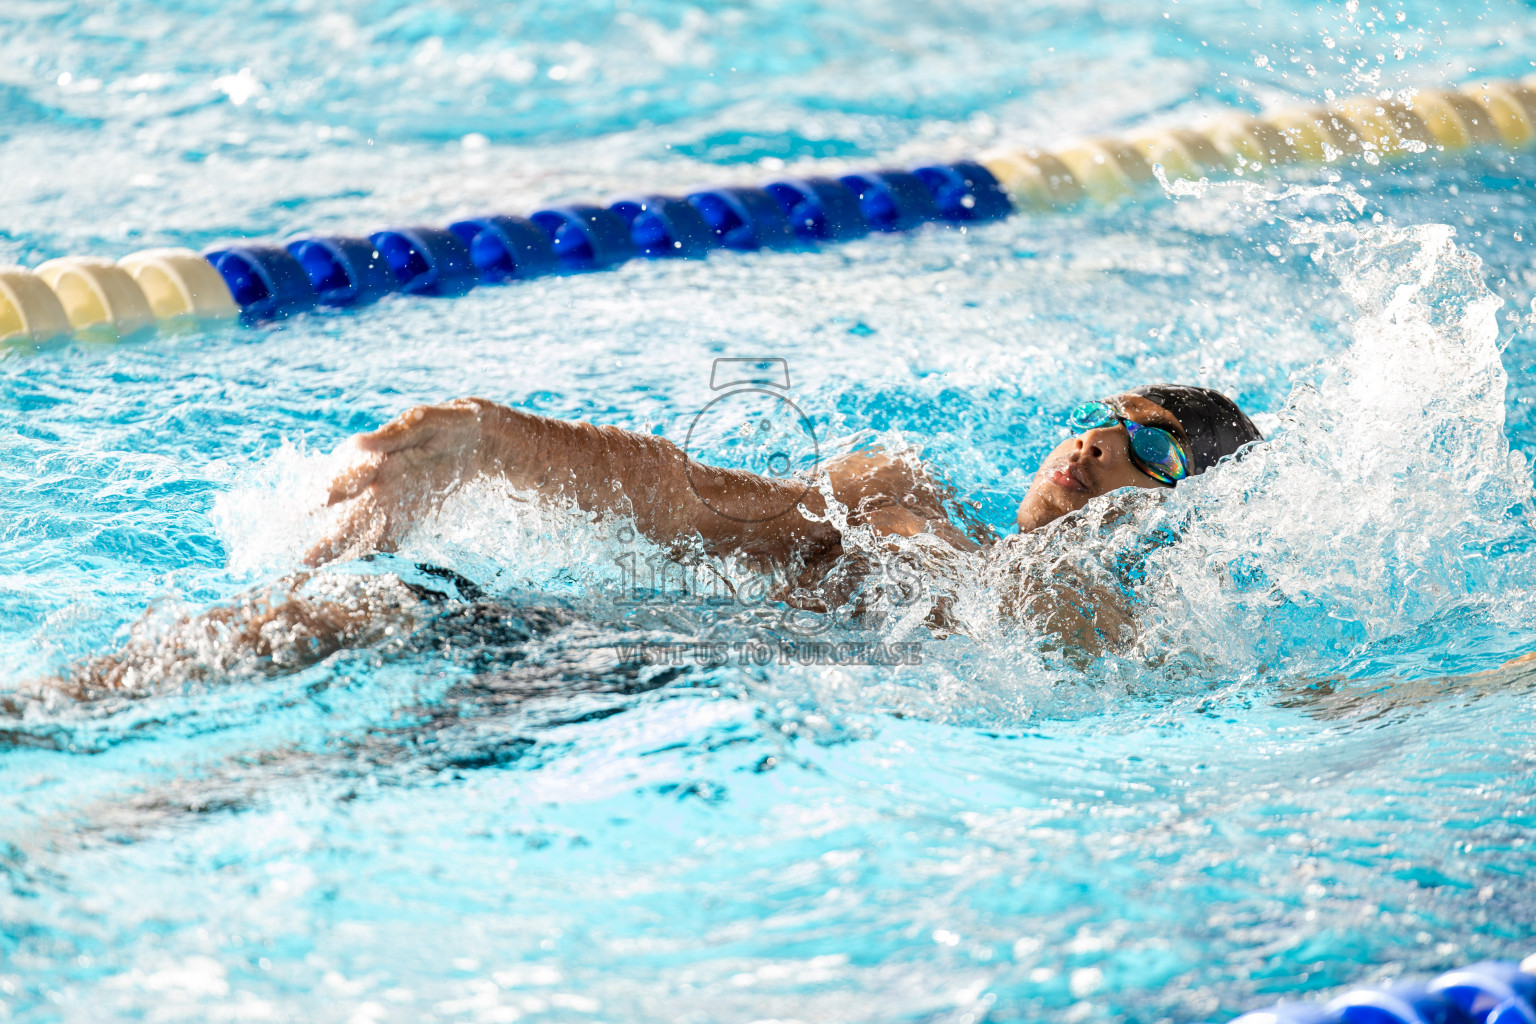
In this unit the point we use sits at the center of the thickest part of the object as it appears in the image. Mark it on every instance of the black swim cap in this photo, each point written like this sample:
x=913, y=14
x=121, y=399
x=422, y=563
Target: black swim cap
x=1214, y=424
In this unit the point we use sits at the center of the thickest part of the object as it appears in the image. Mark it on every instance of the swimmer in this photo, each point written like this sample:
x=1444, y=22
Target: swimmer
x=1148, y=437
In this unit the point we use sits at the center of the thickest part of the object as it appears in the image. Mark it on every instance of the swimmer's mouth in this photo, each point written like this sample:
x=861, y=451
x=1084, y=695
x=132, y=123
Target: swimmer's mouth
x=1068, y=478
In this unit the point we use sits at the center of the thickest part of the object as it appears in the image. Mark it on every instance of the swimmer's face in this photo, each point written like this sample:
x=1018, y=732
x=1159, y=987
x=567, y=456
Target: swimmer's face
x=1092, y=463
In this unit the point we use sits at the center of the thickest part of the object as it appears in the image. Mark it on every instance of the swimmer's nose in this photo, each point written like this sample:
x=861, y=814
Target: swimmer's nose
x=1088, y=447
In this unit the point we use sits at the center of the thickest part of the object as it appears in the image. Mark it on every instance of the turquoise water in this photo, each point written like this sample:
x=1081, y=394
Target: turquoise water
x=1303, y=765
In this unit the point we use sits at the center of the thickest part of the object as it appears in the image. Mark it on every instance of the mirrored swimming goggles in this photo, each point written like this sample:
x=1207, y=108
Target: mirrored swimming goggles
x=1154, y=450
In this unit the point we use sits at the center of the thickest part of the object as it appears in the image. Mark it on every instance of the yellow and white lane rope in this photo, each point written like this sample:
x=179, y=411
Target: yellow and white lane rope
x=1499, y=114
x=97, y=298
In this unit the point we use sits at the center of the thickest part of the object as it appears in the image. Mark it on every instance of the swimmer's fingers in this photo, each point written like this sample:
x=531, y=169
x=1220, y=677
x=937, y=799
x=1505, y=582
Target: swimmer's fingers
x=362, y=529
x=353, y=480
x=327, y=549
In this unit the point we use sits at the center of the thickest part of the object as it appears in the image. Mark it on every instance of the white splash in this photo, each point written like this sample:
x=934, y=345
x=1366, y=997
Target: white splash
x=1387, y=505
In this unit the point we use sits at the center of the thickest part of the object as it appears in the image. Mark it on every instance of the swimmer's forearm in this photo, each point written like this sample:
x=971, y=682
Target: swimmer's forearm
x=671, y=498
x=600, y=469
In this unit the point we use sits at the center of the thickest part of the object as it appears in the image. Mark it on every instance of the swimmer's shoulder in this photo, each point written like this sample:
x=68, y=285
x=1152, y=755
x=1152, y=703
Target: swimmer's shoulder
x=893, y=495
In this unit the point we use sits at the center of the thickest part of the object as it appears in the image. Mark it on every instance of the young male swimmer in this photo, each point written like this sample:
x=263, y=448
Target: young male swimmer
x=1148, y=437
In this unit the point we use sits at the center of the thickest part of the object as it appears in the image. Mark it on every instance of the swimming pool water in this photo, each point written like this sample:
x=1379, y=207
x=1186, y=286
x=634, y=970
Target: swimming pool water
x=1306, y=764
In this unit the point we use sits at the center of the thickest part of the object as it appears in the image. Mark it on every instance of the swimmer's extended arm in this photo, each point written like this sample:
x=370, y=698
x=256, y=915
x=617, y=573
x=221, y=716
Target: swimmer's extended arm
x=411, y=463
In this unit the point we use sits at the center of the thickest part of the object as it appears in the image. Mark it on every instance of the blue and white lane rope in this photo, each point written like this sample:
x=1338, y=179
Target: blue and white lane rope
x=260, y=282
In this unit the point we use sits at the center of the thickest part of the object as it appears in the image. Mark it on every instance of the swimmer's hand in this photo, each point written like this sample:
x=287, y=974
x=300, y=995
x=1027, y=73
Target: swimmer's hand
x=402, y=472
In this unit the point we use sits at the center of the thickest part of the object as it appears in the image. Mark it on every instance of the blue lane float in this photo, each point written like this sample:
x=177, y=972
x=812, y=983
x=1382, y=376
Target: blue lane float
x=586, y=237
x=344, y=271
x=965, y=191
x=266, y=282
x=1489, y=992
x=270, y=282
x=819, y=209
x=427, y=261
x=660, y=226
x=1494, y=991
x=1403, y=1002
x=744, y=218
x=892, y=200
x=1288, y=1013
x=503, y=248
